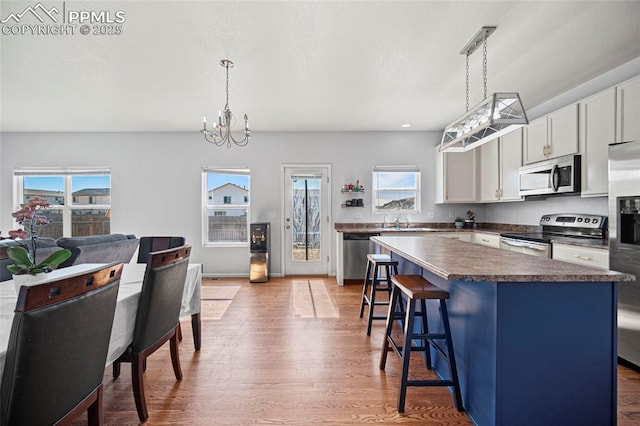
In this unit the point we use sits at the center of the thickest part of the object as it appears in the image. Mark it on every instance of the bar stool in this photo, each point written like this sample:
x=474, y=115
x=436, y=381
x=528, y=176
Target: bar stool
x=373, y=280
x=415, y=288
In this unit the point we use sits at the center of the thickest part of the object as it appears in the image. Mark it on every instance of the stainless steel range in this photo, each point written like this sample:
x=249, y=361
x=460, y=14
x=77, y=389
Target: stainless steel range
x=565, y=226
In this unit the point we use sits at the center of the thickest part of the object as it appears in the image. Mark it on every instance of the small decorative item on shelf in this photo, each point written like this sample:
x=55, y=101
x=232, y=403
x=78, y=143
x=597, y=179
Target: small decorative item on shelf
x=350, y=187
x=458, y=223
x=470, y=220
x=23, y=255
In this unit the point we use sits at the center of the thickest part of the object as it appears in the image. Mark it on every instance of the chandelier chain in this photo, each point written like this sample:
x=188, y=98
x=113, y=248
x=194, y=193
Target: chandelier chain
x=467, y=82
x=484, y=65
x=227, y=104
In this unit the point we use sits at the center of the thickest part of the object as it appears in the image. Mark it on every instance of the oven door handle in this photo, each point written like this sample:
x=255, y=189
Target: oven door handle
x=555, y=178
x=525, y=245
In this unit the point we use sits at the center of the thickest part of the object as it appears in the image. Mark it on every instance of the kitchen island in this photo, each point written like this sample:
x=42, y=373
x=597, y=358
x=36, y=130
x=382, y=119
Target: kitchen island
x=534, y=338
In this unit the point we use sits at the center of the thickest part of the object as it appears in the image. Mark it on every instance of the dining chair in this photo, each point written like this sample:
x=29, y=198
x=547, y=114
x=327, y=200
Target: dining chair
x=151, y=244
x=157, y=318
x=58, y=348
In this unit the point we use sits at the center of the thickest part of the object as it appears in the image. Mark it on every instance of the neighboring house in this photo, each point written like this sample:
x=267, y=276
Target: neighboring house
x=53, y=197
x=228, y=194
x=89, y=196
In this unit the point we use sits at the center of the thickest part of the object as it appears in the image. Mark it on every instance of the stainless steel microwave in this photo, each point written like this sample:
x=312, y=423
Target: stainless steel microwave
x=555, y=176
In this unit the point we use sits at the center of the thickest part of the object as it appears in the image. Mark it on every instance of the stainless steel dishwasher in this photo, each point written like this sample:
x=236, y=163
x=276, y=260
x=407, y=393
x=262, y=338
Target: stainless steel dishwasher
x=356, y=247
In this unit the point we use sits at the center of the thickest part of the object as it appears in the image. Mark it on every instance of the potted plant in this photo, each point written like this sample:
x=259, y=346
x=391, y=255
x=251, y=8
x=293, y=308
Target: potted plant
x=23, y=255
x=469, y=222
x=458, y=222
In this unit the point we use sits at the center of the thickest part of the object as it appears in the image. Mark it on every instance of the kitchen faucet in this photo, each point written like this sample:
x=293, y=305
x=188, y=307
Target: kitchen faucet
x=397, y=222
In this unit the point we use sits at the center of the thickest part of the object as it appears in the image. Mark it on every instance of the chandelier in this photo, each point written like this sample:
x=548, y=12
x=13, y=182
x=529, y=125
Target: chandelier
x=496, y=115
x=221, y=133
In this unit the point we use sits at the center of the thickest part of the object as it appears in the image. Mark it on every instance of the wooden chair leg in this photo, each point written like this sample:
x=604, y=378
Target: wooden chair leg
x=95, y=412
x=197, y=330
x=137, y=382
x=365, y=287
x=179, y=332
x=116, y=370
x=175, y=357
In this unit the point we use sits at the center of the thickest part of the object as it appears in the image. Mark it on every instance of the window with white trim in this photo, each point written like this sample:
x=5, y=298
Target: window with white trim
x=396, y=189
x=79, y=199
x=226, y=206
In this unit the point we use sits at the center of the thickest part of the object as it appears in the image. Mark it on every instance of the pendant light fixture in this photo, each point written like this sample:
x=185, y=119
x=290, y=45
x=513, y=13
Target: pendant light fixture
x=498, y=114
x=221, y=133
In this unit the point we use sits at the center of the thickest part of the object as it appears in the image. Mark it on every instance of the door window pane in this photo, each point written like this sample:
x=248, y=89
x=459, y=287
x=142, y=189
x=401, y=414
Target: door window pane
x=306, y=223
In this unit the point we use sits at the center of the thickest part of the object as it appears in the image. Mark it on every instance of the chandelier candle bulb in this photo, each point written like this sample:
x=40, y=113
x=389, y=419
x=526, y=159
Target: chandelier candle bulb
x=204, y=123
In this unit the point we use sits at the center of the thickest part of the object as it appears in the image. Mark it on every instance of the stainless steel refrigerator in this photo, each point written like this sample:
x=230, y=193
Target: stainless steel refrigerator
x=624, y=242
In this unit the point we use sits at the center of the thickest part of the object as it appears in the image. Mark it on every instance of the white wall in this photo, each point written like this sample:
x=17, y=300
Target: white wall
x=156, y=178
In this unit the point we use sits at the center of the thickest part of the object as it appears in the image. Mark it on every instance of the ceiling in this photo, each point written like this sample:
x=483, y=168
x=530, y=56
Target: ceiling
x=302, y=65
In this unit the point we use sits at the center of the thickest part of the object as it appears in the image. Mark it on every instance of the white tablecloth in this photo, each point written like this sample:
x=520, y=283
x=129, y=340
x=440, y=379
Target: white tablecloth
x=126, y=307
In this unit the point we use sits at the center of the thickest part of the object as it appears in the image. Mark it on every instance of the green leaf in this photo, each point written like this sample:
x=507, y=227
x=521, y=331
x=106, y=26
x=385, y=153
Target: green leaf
x=54, y=259
x=19, y=256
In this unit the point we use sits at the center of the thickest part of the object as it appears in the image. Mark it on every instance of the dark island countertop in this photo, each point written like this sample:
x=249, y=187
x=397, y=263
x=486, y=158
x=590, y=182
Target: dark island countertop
x=456, y=260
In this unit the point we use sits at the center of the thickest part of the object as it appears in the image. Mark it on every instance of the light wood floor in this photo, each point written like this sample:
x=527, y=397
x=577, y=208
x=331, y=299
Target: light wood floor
x=261, y=365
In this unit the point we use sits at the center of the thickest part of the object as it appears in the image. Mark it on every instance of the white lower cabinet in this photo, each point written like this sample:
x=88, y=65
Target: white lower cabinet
x=490, y=240
x=588, y=256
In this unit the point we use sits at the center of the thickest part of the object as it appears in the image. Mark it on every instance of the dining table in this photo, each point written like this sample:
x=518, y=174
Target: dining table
x=126, y=305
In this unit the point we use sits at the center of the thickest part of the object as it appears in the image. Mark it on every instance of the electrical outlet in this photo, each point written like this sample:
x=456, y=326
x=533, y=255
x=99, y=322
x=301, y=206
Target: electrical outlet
x=451, y=213
x=431, y=215
x=357, y=215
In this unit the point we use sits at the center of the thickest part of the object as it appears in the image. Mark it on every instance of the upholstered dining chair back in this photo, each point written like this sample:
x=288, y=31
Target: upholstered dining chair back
x=150, y=244
x=161, y=296
x=58, y=348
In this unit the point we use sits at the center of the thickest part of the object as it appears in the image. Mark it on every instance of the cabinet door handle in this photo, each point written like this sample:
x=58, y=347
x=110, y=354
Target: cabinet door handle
x=485, y=240
x=583, y=257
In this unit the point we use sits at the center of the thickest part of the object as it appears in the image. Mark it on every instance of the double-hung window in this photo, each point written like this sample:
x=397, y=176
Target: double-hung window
x=79, y=199
x=226, y=207
x=396, y=189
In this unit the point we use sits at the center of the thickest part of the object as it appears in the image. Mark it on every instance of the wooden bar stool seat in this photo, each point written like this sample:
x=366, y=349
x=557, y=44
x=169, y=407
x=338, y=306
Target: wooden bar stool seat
x=415, y=288
x=374, y=282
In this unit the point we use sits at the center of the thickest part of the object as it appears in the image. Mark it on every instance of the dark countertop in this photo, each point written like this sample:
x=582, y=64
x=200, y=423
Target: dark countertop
x=489, y=228
x=443, y=257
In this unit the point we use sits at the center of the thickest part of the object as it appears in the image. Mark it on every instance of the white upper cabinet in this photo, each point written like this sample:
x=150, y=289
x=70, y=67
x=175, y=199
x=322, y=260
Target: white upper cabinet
x=500, y=160
x=552, y=136
x=510, y=162
x=490, y=171
x=456, y=176
x=628, y=111
x=536, y=140
x=598, y=130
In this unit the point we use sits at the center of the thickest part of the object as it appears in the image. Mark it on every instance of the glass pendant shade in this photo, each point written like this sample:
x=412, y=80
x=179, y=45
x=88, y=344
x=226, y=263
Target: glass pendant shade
x=495, y=116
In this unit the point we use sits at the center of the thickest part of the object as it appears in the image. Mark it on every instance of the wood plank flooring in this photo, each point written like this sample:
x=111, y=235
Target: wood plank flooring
x=260, y=364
